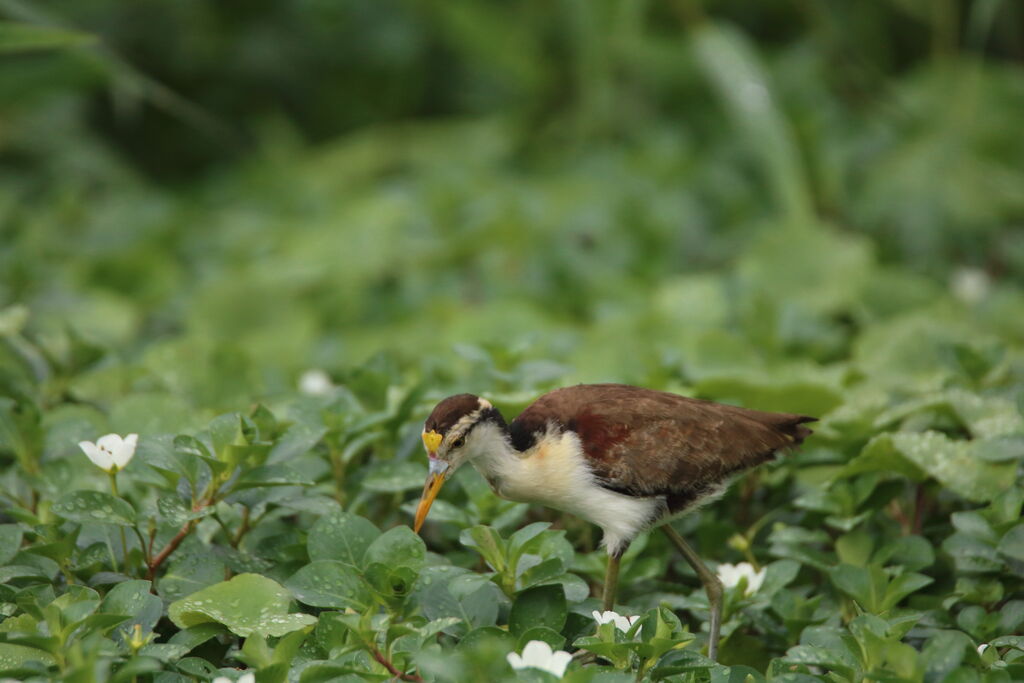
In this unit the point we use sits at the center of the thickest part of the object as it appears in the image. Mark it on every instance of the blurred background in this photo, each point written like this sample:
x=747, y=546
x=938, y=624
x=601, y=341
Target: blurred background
x=762, y=202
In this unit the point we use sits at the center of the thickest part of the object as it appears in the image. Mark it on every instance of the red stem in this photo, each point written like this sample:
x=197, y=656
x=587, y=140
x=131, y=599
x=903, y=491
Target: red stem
x=171, y=546
x=391, y=667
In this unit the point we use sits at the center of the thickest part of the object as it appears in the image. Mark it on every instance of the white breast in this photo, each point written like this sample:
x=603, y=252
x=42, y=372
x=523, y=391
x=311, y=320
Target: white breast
x=554, y=473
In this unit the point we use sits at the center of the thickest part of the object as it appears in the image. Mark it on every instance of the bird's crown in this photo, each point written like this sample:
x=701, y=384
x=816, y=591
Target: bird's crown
x=451, y=410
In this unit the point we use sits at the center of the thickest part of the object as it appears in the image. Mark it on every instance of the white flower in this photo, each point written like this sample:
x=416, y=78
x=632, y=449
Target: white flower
x=538, y=655
x=110, y=452
x=244, y=678
x=982, y=648
x=730, y=576
x=315, y=383
x=970, y=285
x=623, y=623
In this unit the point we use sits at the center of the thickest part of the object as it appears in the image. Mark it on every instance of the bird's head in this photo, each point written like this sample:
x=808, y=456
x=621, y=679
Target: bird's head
x=453, y=435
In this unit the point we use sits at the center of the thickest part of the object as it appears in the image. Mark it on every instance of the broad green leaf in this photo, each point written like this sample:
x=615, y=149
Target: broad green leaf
x=341, y=536
x=19, y=37
x=553, y=638
x=14, y=656
x=395, y=476
x=1012, y=543
x=133, y=599
x=329, y=583
x=247, y=604
x=917, y=455
x=488, y=543
x=902, y=586
x=391, y=583
x=866, y=585
x=479, y=608
x=194, y=636
x=10, y=542
x=297, y=440
x=397, y=547
x=96, y=507
x=271, y=475
x=543, y=606
x=191, y=569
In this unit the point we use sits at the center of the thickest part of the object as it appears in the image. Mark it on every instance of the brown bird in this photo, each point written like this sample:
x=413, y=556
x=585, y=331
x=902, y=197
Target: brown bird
x=624, y=458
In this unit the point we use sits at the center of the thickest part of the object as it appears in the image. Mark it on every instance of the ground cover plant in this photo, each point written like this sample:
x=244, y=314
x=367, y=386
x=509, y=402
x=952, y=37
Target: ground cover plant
x=258, y=260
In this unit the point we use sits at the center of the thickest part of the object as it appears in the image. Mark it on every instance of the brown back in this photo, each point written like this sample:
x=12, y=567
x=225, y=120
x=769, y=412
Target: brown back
x=645, y=443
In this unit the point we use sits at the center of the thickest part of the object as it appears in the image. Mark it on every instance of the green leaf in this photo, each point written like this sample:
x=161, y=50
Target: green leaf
x=1012, y=543
x=15, y=656
x=10, y=542
x=132, y=598
x=732, y=65
x=479, y=608
x=488, y=543
x=192, y=569
x=395, y=476
x=397, y=547
x=920, y=454
x=271, y=475
x=18, y=37
x=541, y=606
x=194, y=636
x=866, y=585
x=902, y=586
x=329, y=583
x=553, y=638
x=341, y=536
x=96, y=507
x=247, y=604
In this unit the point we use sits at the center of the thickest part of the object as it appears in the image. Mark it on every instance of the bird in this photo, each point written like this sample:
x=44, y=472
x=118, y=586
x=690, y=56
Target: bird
x=625, y=458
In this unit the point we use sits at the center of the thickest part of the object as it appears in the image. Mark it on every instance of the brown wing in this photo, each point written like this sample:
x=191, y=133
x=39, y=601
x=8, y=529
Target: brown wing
x=645, y=443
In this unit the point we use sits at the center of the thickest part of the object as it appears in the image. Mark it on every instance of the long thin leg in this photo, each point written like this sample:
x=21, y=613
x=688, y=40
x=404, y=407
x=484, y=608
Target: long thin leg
x=712, y=586
x=611, y=581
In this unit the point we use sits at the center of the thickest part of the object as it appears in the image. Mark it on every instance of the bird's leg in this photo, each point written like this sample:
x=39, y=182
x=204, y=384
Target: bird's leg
x=611, y=579
x=712, y=586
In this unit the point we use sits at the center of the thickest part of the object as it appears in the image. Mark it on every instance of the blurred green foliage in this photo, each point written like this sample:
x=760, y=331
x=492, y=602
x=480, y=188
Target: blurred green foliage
x=266, y=236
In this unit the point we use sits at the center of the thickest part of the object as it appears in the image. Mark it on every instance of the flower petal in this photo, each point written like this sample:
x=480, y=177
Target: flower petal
x=110, y=442
x=728, y=575
x=537, y=653
x=98, y=457
x=126, y=451
x=515, y=661
x=247, y=678
x=755, y=580
x=559, y=661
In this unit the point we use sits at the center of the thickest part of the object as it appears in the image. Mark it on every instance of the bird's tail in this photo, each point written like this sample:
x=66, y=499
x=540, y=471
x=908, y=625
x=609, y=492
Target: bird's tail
x=793, y=426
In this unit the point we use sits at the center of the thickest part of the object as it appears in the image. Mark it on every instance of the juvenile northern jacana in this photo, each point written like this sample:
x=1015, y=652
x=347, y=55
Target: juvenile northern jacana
x=621, y=457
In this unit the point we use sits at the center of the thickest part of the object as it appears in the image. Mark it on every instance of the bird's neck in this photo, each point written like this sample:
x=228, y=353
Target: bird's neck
x=496, y=459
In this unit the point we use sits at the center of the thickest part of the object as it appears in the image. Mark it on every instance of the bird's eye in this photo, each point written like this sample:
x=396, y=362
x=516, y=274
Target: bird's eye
x=459, y=442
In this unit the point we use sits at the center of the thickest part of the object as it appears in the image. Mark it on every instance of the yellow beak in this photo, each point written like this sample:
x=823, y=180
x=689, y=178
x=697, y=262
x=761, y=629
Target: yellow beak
x=438, y=473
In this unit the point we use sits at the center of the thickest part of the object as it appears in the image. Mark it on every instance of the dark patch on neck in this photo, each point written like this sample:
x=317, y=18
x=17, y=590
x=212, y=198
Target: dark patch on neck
x=524, y=432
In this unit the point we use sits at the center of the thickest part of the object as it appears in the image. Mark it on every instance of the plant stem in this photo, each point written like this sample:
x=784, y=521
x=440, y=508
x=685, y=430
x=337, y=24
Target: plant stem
x=171, y=546
x=383, y=661
x=142, y=543
x=124, y=539
x=338, y=474
x=243, y=529
x=920, y=509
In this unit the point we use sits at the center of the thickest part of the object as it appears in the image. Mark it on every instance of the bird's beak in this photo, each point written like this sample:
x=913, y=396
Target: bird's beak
x=439, y=471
